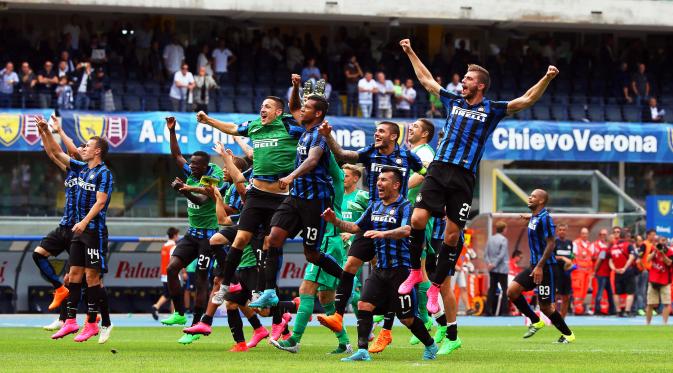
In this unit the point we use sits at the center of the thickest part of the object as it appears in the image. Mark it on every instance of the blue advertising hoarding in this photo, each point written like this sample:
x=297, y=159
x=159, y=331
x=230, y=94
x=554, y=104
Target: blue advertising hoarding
x=660, y=214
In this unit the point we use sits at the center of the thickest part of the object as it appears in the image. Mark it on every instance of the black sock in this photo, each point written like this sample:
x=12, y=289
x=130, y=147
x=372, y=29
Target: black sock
x=254, y=322
x=343, y=292
x=230, y=264
x=73, y=299
x=198, y=312
x=63, y=313
x=276, y=315
x=179, y=303
x=93, y=298
x=271, y=268
x=430, y=263
x=365, y=321
x=441, y=320
x=416, y=240
x=446, y=263
x=524, y=308
x=287, y=306
x=286, y=331
x=207, y=319
x=329, y=265
x=261, y=274
x=47, y=270
x=418, y=329
x=236, y=325
x=388, y=320
x=104, y=308
x=559, y=323
x=452, y=331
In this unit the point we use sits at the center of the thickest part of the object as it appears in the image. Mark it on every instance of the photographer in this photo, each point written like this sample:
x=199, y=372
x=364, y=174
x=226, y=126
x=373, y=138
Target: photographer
x=659, y=288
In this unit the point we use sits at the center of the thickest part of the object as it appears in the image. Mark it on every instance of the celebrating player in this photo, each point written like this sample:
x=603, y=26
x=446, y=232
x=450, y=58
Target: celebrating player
x=386, y=222
x=543, y=273
x=564, y=254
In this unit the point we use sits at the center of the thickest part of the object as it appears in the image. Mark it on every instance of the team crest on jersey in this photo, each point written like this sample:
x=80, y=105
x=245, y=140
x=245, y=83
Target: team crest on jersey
x=117, y=129
x=10, y=128
x=480, y=109
x=532, y=224
x=29, y=132
x=88, y=126
x=398, y=161
x=418, y=198
x=664, y=207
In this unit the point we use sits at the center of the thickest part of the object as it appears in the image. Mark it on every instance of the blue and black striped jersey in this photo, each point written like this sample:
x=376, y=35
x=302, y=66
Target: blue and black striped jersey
x=438, y=228
x=380, y=217
x=70, y=209
x=401, y=158
x=466, y=129
x=540, y=227
x=315, y=184
x=90, y=182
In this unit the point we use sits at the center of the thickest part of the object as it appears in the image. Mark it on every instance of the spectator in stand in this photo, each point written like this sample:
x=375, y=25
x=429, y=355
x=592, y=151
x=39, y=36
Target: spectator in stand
x=640, y=85
x=174, y=56
x=659, y=287
x=497, y=262
x=366, y=90
x=642, y=267
x=69, y=63
x=622, y=255
x=353, y=73
x=64, y=94
x=47, y=81
x=397, y=90
x=652, y=113
x=98, y=53
x=183, y=84
x=407, y=98
x=602, y=270
x=27, y=85
x=101, y=93
x=62, y=70
x=455, y=86
x=155, y=62
x=74, y=30
x=143, y=39
x=310, y=71
x=294, y=55
x=83, y=85
x=203, y=84
x=624, y=83
x=203, y=60
x=9, y=80
x=436, y=106
x=223, y=58
x=384, y=93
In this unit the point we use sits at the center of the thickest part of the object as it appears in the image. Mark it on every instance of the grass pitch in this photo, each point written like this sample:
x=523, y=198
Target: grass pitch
x=485, y=349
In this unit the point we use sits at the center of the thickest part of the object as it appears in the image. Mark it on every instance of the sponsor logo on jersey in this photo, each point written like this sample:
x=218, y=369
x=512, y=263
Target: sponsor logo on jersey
x=89, y=187
x=10, y=128
x=384, y=218
x=270, y=143
x=117, y=130
x=302, y=150
x=70, y=183
x=88, y=126
x=347, y=215
x=193, y=206
x=470, y=114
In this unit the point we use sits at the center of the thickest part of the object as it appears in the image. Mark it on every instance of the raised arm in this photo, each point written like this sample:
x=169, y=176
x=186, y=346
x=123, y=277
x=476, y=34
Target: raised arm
x=175, y=147
x=67, y=141
x=47, y=150
x=247, y=149
x=220, y=208
x=422, y=72
x=228, y=128
x=228, y=157
x=341, y=225
x=295, y=101
x=533, y=94
x=341, y=155
x=51, y=147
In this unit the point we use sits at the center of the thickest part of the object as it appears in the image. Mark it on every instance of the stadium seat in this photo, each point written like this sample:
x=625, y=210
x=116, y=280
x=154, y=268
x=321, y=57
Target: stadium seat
x=131, y=102
x=263, y=90
x=578, y=113
x=335, y=104
x=244, y=104
x=613, y=113
x=596, y=113
x=596, y=100
x=244, y=90
x=117, y=99
x=560, y=100
x=524, y=115
x=152, y=88
x=560, y=112
x=212, y=107
x=544, y=99
x=280, y=92
x=668, y=115
x=541, y=112
x=165, y=103
x=151, y=103
x=135, y=88
x=225, y=105
x=560, y=86
x=578, y=99
x=632, y=113
x=580, y=87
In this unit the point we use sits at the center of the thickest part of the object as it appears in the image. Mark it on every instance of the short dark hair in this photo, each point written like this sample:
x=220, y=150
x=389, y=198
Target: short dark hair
x=102, y=144
x=484, y=76
x=240, y=163
x=651, y=231
x=394, y=128
x=428, y=126
x=395, y=171
x=201, y=153
x=172, y=231
x=516, y=253
x=321, y=104
x=279, y=101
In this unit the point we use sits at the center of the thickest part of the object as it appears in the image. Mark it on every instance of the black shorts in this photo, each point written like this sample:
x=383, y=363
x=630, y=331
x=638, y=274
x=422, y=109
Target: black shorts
x=247, y=277
x=89, y=249
x=190, y=248
x=447, y=188
x=58, y=240
x=296, y=214
x=164, y=289
x=625, y=283
x=380, y=289
x=547, y=289
x=362, y=248
x=258, y=209
x=565, y=283
x=229, y=233
x=220, y=256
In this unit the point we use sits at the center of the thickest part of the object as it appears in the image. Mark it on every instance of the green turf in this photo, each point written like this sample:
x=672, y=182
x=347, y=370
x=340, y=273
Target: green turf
x=485, y=349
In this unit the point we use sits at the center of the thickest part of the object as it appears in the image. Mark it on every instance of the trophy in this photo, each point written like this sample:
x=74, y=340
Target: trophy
x=310, y=89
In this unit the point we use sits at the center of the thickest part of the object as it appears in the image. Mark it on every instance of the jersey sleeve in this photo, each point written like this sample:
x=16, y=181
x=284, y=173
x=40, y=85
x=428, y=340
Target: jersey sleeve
x=365, y=221
x=415, y=163
x=293, y=128
x=499, y=109
x=186, y=169
x=104, y=182
x=448, y=98
x=228, y=193
x=319, y=141
x=362, y=199
x=548, y=227
x=364, y=153
x=242, y=128
x=76, y=165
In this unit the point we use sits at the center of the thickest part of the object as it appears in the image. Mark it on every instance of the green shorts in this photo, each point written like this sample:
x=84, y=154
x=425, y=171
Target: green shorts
x=333, y=246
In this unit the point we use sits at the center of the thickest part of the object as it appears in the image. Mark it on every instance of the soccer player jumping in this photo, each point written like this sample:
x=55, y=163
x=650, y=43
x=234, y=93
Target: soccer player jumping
x=543, y=273
x=449, y=182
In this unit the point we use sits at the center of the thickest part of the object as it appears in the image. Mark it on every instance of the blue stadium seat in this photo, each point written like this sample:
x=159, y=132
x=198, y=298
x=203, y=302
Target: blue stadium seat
x=244, y=90
x=541, y=112
x=596, y=113
x=225, y=105
x=596, y=100
x=524, y=115
x=578, y=99
x=280, y=92
x=560, y=100
x=561, y=86
x=578, y=112
x=668, y=115
x=560, y=112
x=212, y=107
x=244, y=104
x=135, y=88
x=611, y=100
x=117, y=99
x=263, y=90
x=152, y=87
x=632, y=113
x=165, y=103
x=335, y=104
x=544, y=99
x=580, y=87
x=151, y=103
x=131, y=102
x=613, y=113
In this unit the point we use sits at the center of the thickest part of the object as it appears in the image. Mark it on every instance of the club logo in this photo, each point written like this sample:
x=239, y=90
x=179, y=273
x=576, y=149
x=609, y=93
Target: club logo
x=30, y=133
x=418, y=198
x=117, y=129
x=88, y=126
x=664, y=207
x=10, y=127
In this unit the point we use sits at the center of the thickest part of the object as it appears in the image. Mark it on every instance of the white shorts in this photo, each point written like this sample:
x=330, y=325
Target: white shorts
x=459, y=279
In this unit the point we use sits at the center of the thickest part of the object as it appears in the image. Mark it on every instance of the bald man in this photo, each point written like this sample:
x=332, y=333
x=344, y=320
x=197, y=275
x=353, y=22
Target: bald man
x=543, y=273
